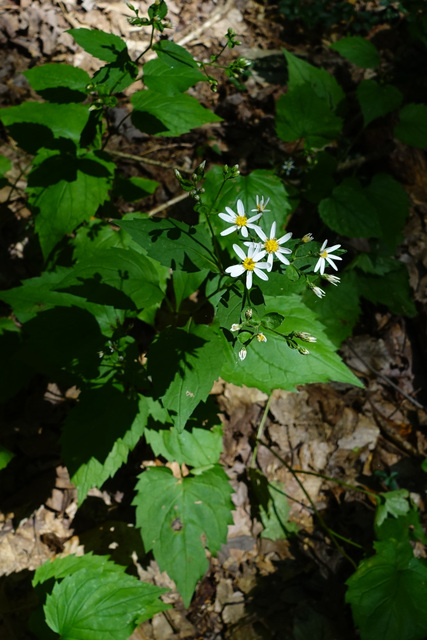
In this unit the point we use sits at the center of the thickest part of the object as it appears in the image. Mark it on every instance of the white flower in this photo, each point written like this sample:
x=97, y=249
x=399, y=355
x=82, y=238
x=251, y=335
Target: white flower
x=325, y=254
x=261, y=337
x=243, y=353
x=287, y=166
x=308, y=237
x=272, y=245
x=318, y=291
x=332, y=279
x=307, y=337
x=303, y=351
x=235, y=327
x=250, y=263
x=248, y=314
x=260, y=205
x=238, y=220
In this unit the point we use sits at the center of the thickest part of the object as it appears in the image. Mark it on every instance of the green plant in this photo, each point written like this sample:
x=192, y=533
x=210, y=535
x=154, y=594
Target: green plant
x=111, y=298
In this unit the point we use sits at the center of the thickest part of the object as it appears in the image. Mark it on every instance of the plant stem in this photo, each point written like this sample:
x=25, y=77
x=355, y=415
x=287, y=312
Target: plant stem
x=260, y=429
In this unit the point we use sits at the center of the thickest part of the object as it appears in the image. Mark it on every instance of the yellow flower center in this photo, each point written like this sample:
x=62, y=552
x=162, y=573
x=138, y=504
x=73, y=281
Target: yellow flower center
x=249, y=264
x=271, y=246
x=324, y=254
x=261, y=337
x=241, y=221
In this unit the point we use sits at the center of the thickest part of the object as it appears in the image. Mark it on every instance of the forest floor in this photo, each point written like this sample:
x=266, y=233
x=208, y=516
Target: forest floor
x=325, y=437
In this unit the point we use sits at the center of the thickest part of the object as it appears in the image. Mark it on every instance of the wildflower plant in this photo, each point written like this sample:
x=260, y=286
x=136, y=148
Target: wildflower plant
x=142, y=314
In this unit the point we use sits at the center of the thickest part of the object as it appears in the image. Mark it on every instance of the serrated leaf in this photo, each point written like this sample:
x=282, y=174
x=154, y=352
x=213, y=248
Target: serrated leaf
x=388, y=594
x=349, y=212
x=61, y=567
x=174, y=71
x=94, y=605
x=59, y=82
x=174, y=244
x=5, y=457
x=324, y=85
x=102, y=45
x=377, y=100
x=158, y=114
x=273, y=365
x=359, y=51
x=412, y=126
x=392, y=503
x=174, y=515
x=66, y=191
x=194, y=360
x=196, y=448
x=63, y=120
x=99, y=432
x=301, y=114
x=185, y=283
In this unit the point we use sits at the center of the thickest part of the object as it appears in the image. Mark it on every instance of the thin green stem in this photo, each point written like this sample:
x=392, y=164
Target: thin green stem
x=13, y=186
x=340, y=482
x=261, y=428
x=318, y=515
x=149, y=46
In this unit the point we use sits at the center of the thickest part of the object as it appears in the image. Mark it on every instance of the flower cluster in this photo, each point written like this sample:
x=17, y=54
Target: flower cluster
x=262, y=249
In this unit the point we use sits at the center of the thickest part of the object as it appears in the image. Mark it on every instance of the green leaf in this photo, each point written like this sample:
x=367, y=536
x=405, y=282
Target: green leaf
x=388, y=594
x=392, y=205
x=174, y=516
x=99, y=432
x=412, y=126
x=377, y=100
x=14, y=373
x=359, y=51
x=133, y=189
x=66, y=191
x=185, y=283
x=196, y=448
x=273, y=507
x=339, y=309
x=194, y=360
x=59, y=82
x=324, y=85
x=349, y=212
x=174, y=244
x=158, y=114
x=301, y=114
x=392, y=503
x=62, y=120
x=117, y=75
x=96, y=605
x=61, y=567
x=258, y=183
x=102, y=45
x=6, y=456
x=392, y=289
x=403, y=527
x=174, y=71
x=121, y=278
x=5, y=165
x=319, y=180
x=273, y=365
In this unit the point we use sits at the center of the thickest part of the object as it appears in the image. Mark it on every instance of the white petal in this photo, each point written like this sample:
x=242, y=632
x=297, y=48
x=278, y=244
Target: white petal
x=285, y=238
x=231, y=212
x=273, y=229
x=323, y=245
x=260, y=233
x=260, y=273
x=235, y=270
x=253, y=218
x=282, y=258
x=260, y=253
x=270, y=262
x=227, y=232
x=240, y=208
x=248, y=279
x=334, y=248
x=320, y=264
x=239, y=251
x=244, y=231
x=226, y=217
x=333, y=265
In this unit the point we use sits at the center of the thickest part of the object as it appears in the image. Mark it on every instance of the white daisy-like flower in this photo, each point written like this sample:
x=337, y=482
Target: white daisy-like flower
x=239, y=221
x=235, y=327
x=243, y=353
x=308, y=237
x=261, y=337
x=318, y=292
x=332, y=279
x=261, y=205
x=249, y=263
x=326, y=256
x=272, y=245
